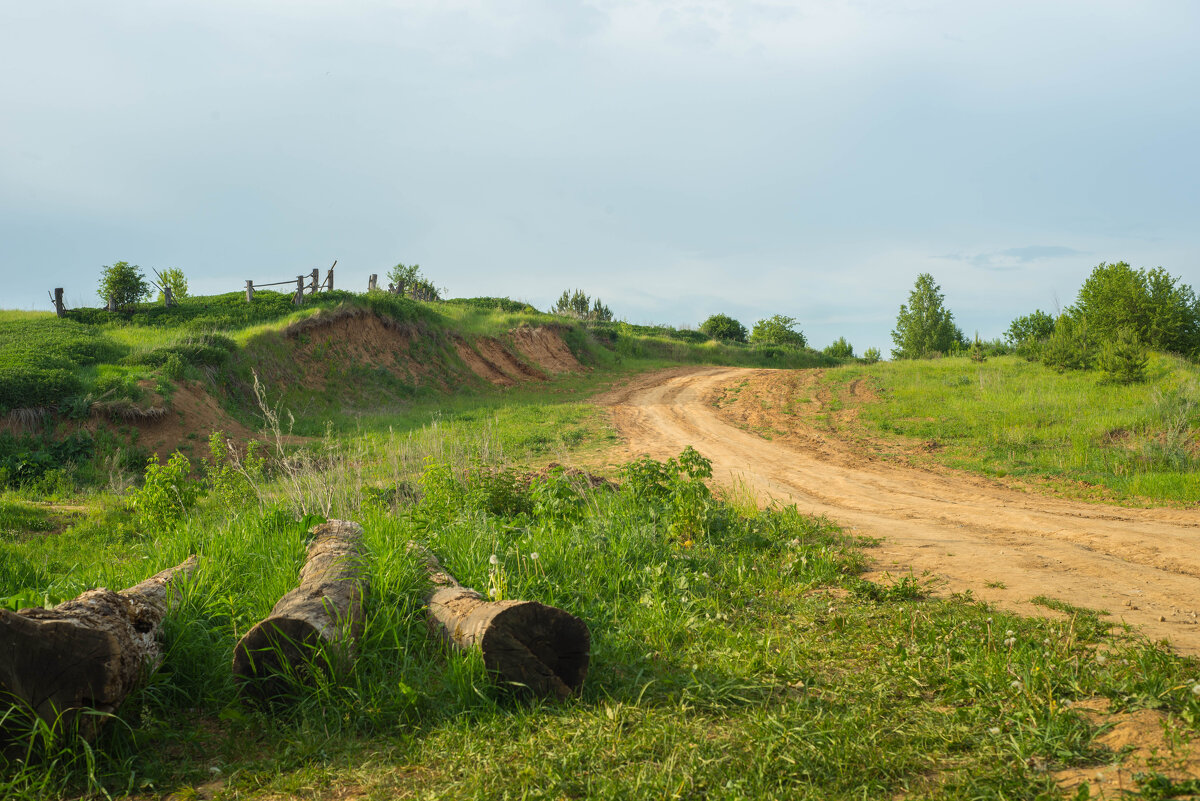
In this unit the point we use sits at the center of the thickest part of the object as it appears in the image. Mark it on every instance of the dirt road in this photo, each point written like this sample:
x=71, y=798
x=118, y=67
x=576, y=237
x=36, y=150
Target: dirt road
x=1141, y=565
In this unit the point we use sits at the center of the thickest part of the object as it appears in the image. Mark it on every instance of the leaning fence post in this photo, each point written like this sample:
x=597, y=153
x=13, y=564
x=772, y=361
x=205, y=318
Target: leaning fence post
x=249, y=291
x=299, y=298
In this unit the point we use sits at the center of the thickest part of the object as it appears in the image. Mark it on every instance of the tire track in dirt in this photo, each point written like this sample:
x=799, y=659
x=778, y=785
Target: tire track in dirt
x=1142, y=565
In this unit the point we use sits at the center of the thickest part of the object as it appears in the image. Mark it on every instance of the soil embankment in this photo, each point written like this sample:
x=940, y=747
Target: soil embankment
x=1005, y=546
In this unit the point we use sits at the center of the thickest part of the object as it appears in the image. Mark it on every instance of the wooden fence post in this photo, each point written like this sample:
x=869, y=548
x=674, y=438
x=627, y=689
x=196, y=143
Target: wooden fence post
x=58, y=301
x=249, y=291
x=316, y=276
x=329, y=280
x=299, y=299
x=373, y=282
x=168, y=298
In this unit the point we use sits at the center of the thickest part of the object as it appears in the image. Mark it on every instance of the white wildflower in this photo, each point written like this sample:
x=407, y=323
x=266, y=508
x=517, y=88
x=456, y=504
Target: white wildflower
x=493, y=559
x=994, y=730
x=1010, y=633
x=1010, y=642
x=493, y=592
x=534, y=556
x=1017, y=685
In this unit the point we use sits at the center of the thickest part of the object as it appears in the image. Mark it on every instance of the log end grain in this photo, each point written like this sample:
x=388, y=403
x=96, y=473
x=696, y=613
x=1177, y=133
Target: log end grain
x=540, y=649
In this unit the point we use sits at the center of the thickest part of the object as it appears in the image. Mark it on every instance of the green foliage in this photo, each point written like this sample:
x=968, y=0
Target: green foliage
x=579, y=306
x=40, y=357
x=26, y=458
x=1069, y=347
x=839, y=349
x=871, y=355
x=414, y=284
x=776, y=330
x=677, y=486
x=195, y=349
x=173, y=279
x=230, y=479
x=506, y=305
x=1123, y=359
x=123, y=284
x=166, y=494
x=1158, y=309
x=724, y=328
x=1030, y=330
x=924, y=325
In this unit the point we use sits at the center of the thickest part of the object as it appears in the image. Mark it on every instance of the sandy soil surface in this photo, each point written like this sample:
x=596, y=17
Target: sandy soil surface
x=1005, y=546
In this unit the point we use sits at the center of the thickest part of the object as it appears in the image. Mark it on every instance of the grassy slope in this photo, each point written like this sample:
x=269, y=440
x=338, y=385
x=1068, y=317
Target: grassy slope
x=1009, y=417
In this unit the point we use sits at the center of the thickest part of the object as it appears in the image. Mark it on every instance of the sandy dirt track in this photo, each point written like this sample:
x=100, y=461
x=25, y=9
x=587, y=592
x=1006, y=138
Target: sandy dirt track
x=1142, y=565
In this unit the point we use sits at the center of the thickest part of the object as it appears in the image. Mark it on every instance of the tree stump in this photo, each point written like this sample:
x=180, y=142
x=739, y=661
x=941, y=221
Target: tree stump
x=88, y=653
x=325, y=609
x=525, y=644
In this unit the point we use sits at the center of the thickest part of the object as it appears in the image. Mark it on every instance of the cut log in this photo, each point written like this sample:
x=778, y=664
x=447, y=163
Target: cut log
x=325, y=610
x=525, y=644
x=84, y=654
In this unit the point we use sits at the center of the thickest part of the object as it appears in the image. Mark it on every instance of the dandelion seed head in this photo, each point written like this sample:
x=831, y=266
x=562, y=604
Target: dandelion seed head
x=1101, y=659
x=994, y=730
x=1196, y=689
x=1009, y=633
x=493, y=559
x=534, y=556
x=1010, y=642
x=1016, y=684
x=493, y=592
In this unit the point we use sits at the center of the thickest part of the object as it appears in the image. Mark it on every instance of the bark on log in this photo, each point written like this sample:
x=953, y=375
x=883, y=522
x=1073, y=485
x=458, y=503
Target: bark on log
x=87, y=653
x=325, y=609
x=524, y=643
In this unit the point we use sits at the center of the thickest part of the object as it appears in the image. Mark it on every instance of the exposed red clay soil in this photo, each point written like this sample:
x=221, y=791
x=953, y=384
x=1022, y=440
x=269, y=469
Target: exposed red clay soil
x=482, y=366
x=192, y=416
x=1004, y=545
x=355, y=335
x=533, y=354
x=545, y=348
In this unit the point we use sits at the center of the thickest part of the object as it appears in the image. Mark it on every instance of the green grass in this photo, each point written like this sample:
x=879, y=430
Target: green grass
x=751, y=664
x=1009, y=417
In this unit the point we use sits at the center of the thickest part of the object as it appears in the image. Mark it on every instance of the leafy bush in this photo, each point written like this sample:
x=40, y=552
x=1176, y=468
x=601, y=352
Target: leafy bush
x=924, y=325
x=840, y=349
x=1152, y=305
x=123, y=284
x=1030, y=330
x=871, y=355
x=167, y=493
x=677, y=485
x=724, y=328
x=174, y=279
x=777, y=330
x=25, y=459
x=411, y=282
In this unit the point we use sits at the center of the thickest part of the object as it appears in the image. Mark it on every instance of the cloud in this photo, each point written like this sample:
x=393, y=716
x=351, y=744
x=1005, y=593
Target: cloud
x=1016, y=258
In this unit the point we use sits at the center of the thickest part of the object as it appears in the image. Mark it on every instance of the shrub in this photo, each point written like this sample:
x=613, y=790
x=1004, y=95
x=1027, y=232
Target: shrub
x=1124, y=359
x=871, y=355
x=1032, y=328
x=724, y=327
x=413, y=282
x=1069, y=347
x=840, y=349
x=1153, y=306
x=924, y=325
x=123, y=284
x=578, y=305
x=777, y=330
x=174, y=279
x=166, y=494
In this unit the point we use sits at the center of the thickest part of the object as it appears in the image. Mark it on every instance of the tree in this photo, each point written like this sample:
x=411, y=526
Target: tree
x=1155, y=308
x=578, y=305
x=123, y=284
x=174, y=279
x=776, y=330
x=408, y=281
x=1070, y=346
x=1124, y=358
x=1033, y=327
x=871, y=355
x=840, y=349
x=724, y=327
x=924, y=325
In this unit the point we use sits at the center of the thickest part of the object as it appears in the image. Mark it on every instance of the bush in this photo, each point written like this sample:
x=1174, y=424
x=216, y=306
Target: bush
x=840, y=349
x=1032, y=328
x=166, y=494
x=871, y=355
x=1069, y=347
x=123, y=284
x=174, y=279
x=778, y=330
x=578, y=305
x=1156, y=309
x=724, y=328
x=924, y=326
x=1124, y=359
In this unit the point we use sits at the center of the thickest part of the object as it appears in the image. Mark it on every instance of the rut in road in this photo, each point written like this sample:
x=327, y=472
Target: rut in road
x=1141, y=565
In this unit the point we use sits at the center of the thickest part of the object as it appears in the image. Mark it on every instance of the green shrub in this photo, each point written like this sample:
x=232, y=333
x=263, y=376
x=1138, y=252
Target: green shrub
x=174, y=279
x=1030, y=330
x=840, y=349
x=123, y=284
x=777, y=330
x=1069, y=347
x=871, y=355
x=1124, y=358
x=724, y=328
x=166, y=494
x=1158, y=309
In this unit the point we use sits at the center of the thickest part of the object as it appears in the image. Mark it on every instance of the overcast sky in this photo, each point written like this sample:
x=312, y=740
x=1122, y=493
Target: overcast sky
x=675, y=158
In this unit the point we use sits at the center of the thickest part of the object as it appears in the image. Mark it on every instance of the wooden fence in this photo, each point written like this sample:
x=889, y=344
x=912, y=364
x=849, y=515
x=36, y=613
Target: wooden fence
x=310, y=284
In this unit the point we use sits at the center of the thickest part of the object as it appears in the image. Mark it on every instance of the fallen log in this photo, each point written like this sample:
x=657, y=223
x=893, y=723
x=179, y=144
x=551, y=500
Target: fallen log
x=525, y=644
x=325, y=609
x=84, y=654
